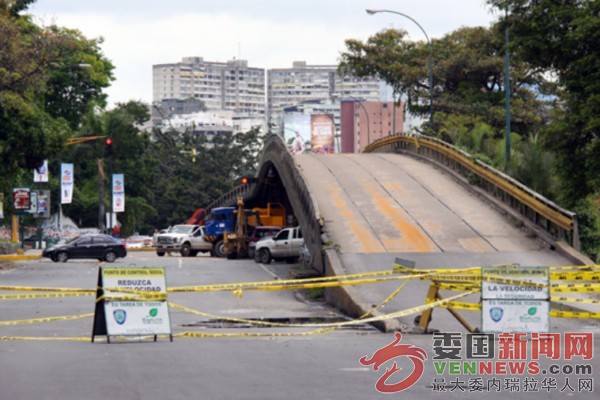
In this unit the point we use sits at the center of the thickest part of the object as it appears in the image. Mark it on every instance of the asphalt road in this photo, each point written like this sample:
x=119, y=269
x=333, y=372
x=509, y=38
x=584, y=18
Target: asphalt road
x=281, y=363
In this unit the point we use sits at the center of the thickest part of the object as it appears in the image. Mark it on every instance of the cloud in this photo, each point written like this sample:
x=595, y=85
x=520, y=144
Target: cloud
x=267, y=34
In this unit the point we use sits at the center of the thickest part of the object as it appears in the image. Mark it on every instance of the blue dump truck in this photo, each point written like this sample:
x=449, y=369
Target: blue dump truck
x=230, y=229
x=220, y=220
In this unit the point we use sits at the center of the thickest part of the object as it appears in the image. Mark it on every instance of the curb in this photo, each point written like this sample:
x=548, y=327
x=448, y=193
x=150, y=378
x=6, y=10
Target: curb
x=17, y=257
x=135, y=249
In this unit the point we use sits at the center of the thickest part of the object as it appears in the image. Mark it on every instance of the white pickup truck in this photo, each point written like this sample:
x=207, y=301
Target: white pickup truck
x=285, y=245
x=185, y=239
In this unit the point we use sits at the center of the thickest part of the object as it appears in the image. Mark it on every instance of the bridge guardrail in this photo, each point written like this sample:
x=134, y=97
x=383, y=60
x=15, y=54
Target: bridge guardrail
x=559, y=223
x=230, y=198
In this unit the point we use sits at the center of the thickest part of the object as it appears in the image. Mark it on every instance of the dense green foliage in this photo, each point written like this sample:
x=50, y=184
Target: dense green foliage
x=49, y=78
x=193, y=170
x=468, y=77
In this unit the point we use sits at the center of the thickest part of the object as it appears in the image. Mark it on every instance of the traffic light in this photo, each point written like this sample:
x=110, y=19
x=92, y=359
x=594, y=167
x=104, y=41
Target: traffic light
x=108, y=149
x=247, y=180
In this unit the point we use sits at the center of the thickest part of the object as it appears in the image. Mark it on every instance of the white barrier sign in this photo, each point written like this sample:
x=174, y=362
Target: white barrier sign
x=135, y=317
x=515, y=316
x=515, y=299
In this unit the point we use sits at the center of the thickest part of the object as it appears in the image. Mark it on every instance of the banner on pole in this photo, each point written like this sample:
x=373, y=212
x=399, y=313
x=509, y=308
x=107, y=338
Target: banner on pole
x=41, y=174
x=118, y=184
x=67, y=179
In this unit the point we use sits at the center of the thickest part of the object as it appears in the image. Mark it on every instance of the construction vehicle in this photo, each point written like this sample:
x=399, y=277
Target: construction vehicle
x=236, y=243
x=197, y=217
x=229, y=228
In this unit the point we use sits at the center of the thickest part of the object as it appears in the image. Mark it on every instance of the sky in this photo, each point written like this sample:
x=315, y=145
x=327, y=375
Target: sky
x=268, y=34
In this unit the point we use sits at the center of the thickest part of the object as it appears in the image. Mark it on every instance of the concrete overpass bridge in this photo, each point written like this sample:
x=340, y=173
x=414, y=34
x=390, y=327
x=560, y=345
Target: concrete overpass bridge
x=415, y=198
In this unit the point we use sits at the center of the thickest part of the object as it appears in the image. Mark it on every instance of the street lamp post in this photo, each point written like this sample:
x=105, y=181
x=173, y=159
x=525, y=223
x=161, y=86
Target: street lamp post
x=360, y=103
x=372, y=12
x=507, y=91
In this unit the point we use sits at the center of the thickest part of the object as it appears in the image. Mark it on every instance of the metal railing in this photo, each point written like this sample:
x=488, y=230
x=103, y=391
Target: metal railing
x=229, y=199
x=532, y=207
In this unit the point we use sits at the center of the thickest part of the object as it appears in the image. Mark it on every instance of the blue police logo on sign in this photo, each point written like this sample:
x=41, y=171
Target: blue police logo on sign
x=120, y=316
x=496, y=313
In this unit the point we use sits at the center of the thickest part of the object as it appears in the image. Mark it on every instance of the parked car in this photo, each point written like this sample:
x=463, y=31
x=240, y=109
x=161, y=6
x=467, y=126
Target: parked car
x=95, y=245
x=258, y=233
x=285, y=245
x=137, y=241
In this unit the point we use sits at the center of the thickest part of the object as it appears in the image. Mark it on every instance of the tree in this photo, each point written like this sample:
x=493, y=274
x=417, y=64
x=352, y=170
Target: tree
x=129, y=156
x=38, y=108
x=398, y=62
x=193, y=169
x=561, y=37
x=468, y=70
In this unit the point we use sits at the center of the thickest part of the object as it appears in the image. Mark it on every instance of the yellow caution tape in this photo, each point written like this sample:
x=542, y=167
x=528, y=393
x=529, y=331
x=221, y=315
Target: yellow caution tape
x=216, y=335
x=574, y=288
x=44, y=295
x=574, y=267
x=45, y=289
x=462, y=306
x=469, y=275
x=553, y=313
x=575, y=314
x=265, y=323
x=283, y=285
x=574, y=300
x=144, y=296
x=457, y=287
x=47, y=319
x=26, y=338
x=393, y=315
x=252, y=334
x=576, y=276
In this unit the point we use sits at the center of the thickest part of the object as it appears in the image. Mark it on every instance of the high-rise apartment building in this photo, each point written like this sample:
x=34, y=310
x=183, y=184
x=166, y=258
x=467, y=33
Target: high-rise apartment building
x=230, y=85
x=305, y=83
x=233, y=86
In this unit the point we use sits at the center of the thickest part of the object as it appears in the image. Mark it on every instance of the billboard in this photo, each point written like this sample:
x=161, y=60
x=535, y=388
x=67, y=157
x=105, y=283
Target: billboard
x=322, y=133
x=22, y=199
x=309, y=133
x=296, y=132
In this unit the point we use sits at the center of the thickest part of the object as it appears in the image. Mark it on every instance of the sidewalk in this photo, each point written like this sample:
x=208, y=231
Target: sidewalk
x=29, y=254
